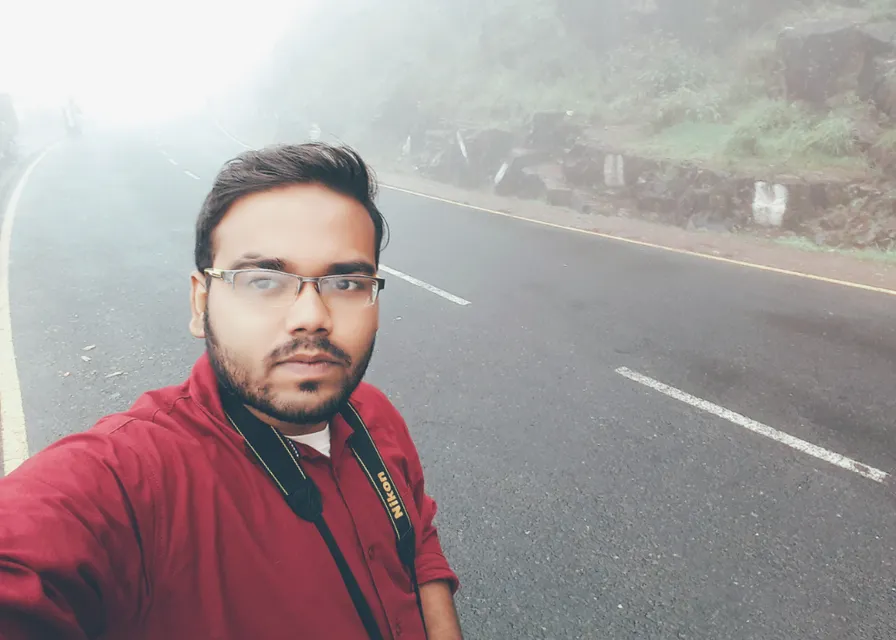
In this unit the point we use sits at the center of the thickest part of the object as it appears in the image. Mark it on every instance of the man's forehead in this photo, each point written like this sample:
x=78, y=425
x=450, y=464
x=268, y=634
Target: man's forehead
x=297, y=224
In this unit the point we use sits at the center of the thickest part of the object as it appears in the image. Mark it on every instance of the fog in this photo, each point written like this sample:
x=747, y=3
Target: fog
x=131, y=63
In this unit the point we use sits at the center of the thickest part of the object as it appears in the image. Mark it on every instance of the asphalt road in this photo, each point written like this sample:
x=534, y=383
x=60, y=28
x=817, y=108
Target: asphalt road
x=574, y=502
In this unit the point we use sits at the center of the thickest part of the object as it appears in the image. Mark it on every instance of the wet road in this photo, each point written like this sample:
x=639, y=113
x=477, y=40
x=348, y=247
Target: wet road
x=574, y=502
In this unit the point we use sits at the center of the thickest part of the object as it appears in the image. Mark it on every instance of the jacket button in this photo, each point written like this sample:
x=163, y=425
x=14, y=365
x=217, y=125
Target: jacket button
x=371, y=553
x=398, y=629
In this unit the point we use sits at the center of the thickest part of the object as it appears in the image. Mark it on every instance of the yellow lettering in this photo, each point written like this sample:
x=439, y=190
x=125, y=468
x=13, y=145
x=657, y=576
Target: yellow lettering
x=391, y=500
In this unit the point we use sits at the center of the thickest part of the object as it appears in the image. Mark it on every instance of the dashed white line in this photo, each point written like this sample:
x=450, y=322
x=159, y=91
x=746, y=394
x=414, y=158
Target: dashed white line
x=191, y=174
x=172, y=161
x=757, y=427
x=13, y=435
x=395, y=272
x=425, y=285
x=229, y=135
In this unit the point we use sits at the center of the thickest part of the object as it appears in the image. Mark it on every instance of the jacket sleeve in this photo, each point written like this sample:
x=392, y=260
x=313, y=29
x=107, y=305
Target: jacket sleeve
x=75, y=520
x=431, y=562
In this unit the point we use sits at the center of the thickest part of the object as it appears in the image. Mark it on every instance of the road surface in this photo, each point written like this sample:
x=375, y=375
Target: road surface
x=575, y=502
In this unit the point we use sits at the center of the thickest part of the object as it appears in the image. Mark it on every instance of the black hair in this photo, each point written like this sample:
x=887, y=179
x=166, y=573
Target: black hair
x=339, y=168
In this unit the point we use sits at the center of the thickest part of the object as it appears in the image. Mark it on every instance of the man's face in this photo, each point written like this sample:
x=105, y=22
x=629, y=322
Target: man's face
x=305, y=230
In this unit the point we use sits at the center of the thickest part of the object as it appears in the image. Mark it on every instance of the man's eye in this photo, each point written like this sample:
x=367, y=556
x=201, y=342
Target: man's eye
x=265, y=284
x=347, y=284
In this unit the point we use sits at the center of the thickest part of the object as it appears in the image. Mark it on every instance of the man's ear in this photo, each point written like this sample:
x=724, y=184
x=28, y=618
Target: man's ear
x=198, y=304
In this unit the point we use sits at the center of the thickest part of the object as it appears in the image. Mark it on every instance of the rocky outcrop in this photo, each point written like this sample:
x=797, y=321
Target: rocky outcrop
x=824, y=58
x=866, y=220
x=830, y=212
x=553, y=131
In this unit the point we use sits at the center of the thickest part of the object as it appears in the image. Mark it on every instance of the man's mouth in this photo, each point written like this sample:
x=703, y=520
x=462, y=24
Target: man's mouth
x=311, y=359
x=309, y=364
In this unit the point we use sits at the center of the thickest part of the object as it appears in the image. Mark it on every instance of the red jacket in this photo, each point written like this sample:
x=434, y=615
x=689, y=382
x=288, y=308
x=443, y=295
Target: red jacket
x=157, y=524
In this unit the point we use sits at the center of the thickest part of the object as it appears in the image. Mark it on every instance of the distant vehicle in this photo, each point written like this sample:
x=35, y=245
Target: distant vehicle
x=9, y=129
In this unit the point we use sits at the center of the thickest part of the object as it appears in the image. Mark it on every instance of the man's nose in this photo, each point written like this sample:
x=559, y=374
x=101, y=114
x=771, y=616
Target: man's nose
x=309, y=313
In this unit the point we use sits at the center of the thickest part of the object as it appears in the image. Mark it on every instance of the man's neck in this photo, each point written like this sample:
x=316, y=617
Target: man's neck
x=288, y=428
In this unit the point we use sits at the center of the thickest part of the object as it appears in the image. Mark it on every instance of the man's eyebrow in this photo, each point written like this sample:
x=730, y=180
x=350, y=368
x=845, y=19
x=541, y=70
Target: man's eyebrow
x=355, y=266
x=256, y=261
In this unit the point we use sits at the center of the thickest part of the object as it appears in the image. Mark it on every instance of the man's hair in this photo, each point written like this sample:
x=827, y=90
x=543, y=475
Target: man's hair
x=339, y=168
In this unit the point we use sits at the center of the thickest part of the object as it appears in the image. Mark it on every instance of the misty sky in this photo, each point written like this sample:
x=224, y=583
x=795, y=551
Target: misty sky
x=127, y=60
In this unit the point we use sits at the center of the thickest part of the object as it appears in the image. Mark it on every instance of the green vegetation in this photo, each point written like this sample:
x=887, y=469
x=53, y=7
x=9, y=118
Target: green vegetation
x=695, y=80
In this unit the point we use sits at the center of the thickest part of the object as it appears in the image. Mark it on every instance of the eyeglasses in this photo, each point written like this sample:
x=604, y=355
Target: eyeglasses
x=265, y=287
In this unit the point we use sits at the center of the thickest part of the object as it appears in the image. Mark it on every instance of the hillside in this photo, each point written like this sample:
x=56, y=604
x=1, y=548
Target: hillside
x=713, y=94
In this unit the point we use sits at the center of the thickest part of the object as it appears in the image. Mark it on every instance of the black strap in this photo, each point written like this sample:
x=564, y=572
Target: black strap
x=281, y=461
x=364, y=448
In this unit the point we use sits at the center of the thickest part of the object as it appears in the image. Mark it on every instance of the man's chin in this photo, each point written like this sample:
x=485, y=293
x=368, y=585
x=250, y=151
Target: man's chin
x=306, y=405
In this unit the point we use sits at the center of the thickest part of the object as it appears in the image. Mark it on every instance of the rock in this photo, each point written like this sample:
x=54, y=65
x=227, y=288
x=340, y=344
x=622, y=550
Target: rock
x=552, y=131
x=655, y=196
x=878, y=84
x=448, y=165
x=520, y=182
x=583, y=166
x=825, y=57
x=488, y=149
x=519, y=179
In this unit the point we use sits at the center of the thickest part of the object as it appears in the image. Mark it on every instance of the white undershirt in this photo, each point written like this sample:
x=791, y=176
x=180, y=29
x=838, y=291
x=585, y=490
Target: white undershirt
x=319, y=440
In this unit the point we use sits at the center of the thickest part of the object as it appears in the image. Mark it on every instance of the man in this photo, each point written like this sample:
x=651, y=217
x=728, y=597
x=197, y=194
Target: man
x=171, y=520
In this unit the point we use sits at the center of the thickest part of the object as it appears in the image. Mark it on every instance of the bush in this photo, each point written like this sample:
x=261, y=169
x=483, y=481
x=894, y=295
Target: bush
x=688, y=105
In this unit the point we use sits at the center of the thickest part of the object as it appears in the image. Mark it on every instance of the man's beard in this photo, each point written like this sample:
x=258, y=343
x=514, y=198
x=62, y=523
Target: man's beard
x=237, y=379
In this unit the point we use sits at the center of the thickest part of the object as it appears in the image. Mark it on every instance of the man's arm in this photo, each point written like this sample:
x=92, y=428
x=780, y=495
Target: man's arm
x=71, y=552
x=438, y=583
x=442, y=622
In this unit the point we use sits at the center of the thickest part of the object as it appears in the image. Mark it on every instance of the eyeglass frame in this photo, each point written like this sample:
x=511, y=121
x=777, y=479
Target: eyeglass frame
x=227, y=276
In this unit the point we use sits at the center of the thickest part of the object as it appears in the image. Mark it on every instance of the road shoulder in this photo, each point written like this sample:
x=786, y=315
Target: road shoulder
x=752, y=250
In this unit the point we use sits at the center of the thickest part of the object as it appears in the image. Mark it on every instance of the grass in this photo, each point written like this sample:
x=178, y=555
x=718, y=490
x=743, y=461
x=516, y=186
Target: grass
x=687, y=141
x=793, y=148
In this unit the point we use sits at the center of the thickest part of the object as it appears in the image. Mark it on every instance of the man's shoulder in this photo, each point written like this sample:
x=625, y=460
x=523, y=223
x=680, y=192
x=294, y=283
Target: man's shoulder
x=129, y=443
x=146, y=416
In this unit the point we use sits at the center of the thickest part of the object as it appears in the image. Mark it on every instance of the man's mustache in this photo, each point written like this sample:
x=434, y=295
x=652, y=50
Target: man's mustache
x=300, y=345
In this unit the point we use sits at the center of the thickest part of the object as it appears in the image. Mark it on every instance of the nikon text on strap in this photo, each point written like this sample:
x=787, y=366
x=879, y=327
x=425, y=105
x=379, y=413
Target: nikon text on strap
x=280, y=459
x=374, y=467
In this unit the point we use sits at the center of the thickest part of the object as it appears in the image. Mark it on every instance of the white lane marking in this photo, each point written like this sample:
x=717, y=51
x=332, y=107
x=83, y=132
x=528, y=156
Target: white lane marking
x=13, y=435
x=425, y=285
x=757, y=427
x=229, y=135
x=395, y=272
x=172, y=161
x=191, y=174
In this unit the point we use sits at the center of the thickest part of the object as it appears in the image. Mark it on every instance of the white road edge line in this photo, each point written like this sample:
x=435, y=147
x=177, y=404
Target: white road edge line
x=191, y=174
x=172, y=161
x=425, y=285
x=757, y=427
x=13, y=435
